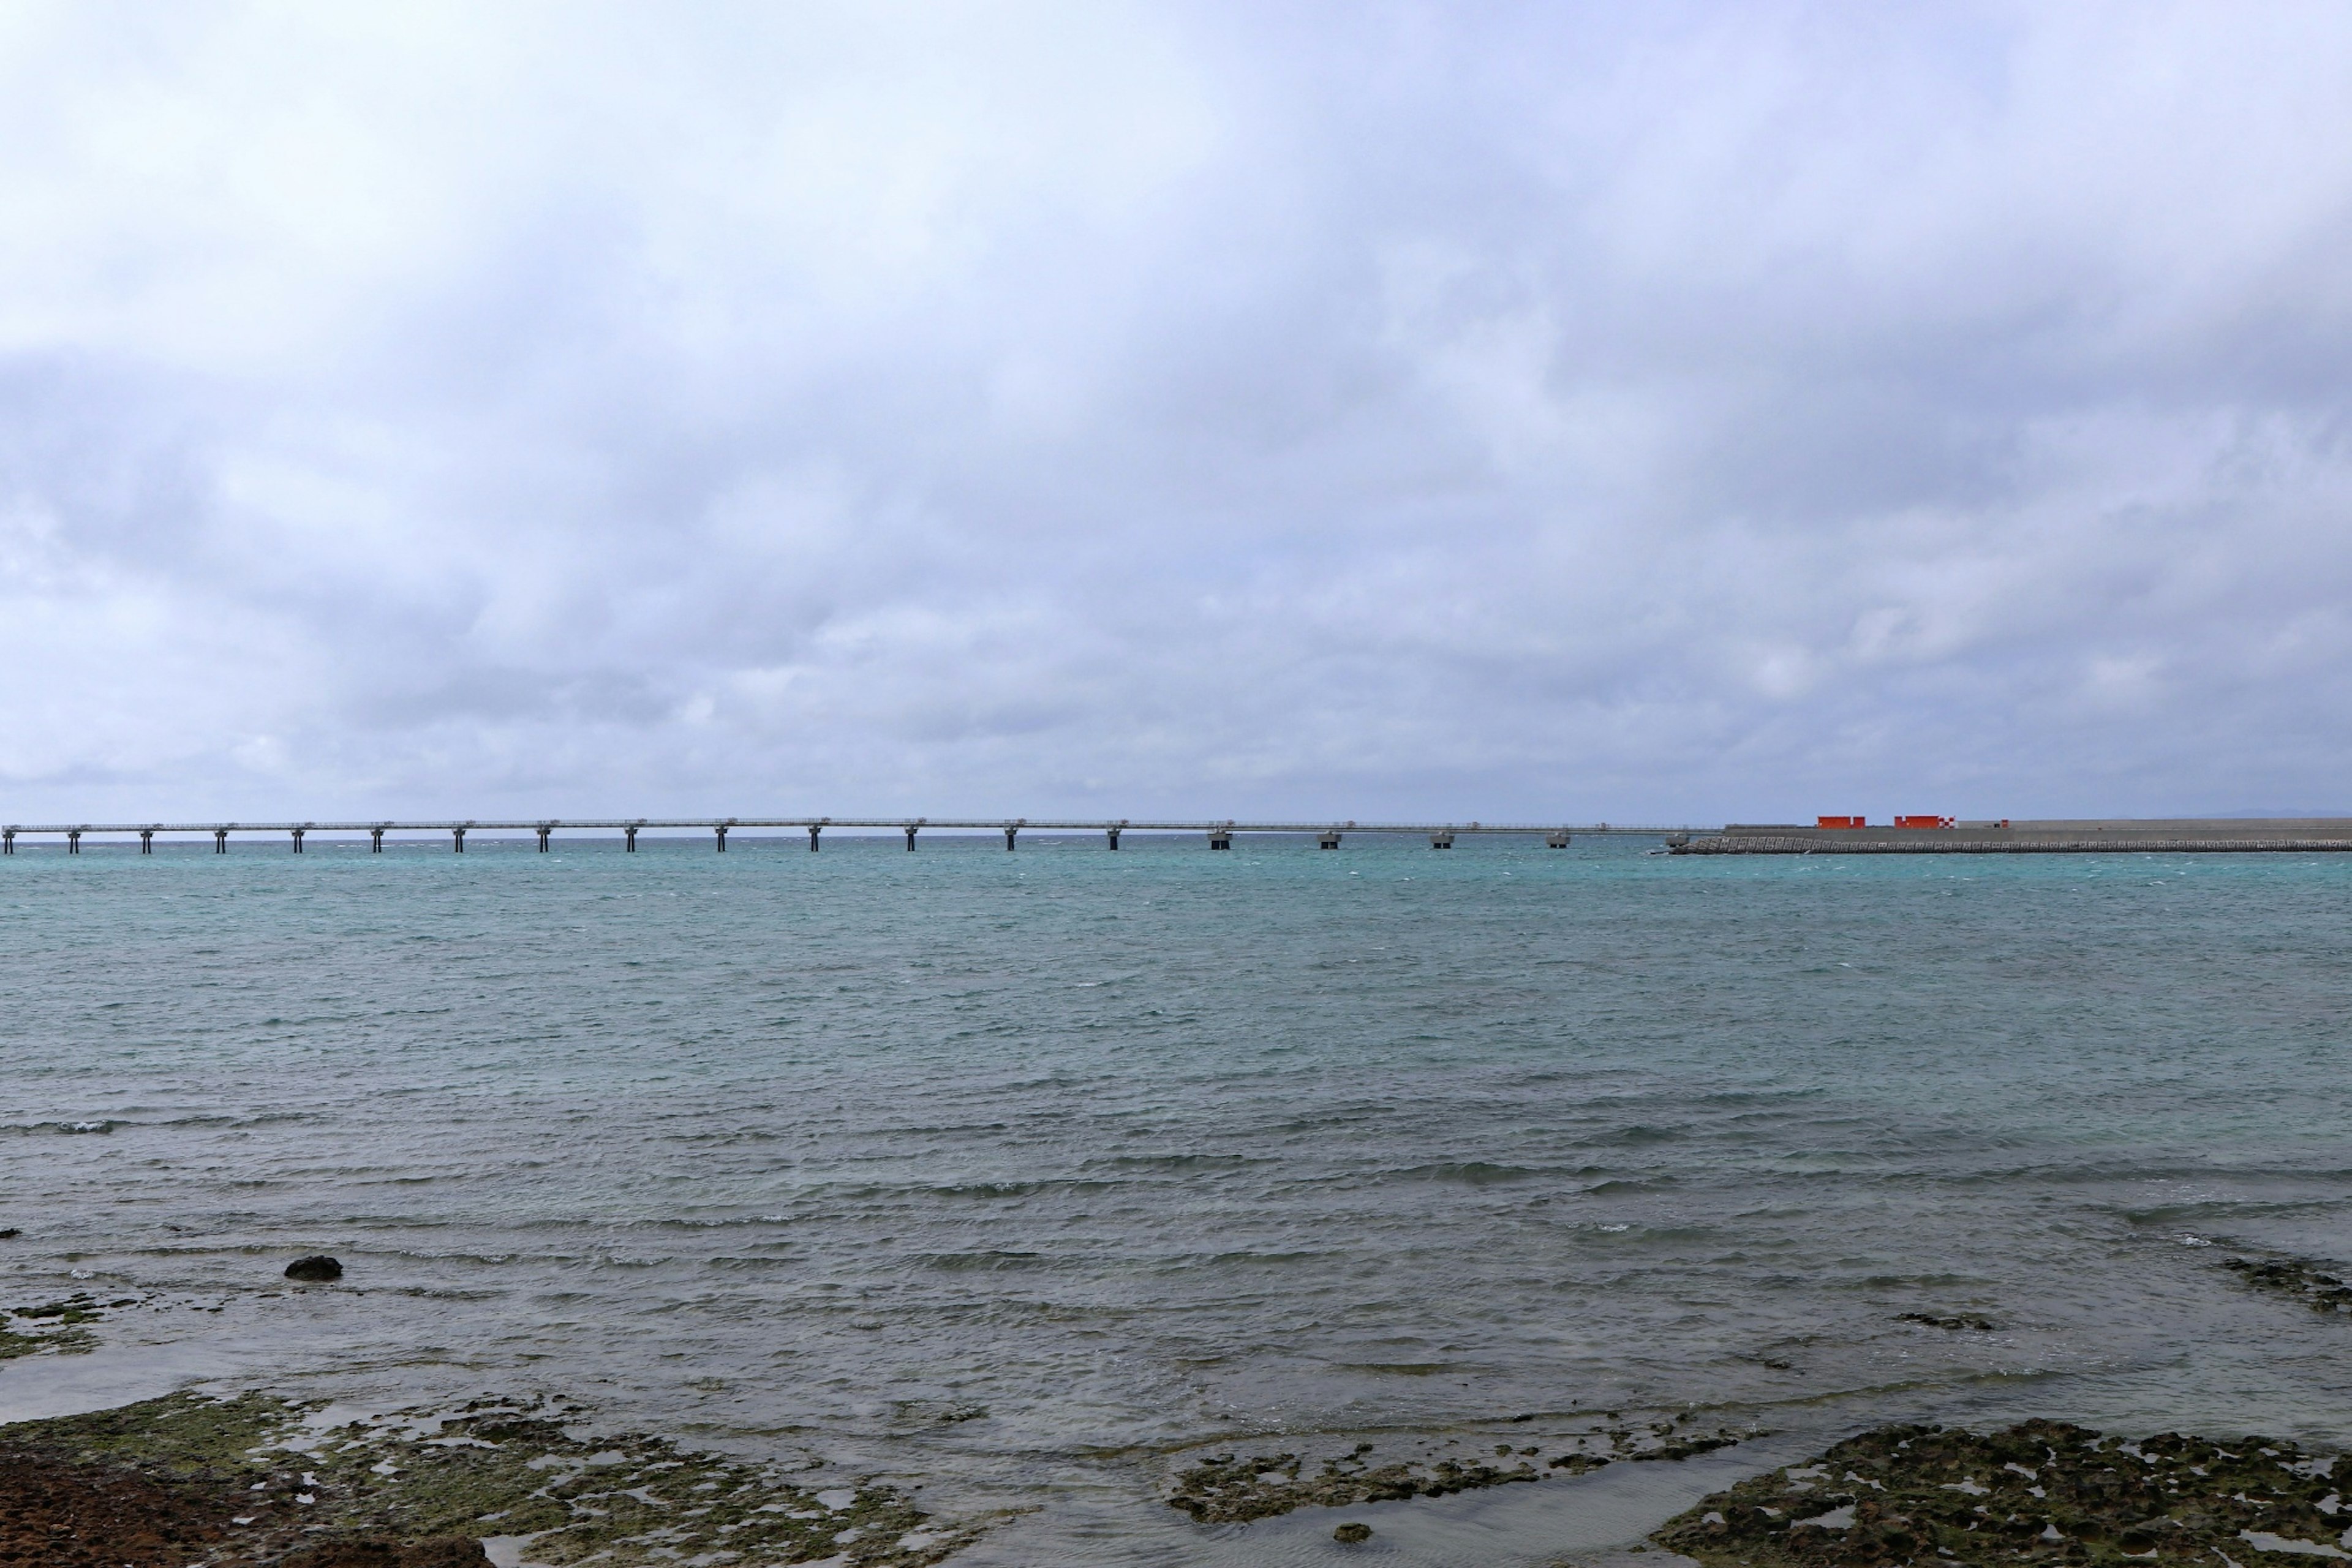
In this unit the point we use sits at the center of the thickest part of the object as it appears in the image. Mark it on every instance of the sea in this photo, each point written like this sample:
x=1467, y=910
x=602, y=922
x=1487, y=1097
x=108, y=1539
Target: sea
x=1029, y=1179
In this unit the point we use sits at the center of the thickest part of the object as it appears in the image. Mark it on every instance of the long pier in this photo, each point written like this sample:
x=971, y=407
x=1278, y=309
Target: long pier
x=2113, y=835
x=1219, y=835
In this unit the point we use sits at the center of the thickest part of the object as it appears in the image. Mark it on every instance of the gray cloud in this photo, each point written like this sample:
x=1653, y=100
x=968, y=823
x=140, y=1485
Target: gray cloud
x=1685, y=413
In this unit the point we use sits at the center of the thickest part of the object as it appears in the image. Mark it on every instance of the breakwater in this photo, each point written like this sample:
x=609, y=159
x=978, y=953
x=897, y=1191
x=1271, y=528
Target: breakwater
x=2120, y=835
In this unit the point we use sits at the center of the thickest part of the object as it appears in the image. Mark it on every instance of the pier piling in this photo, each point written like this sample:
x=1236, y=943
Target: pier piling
x=1221, y=839
x=1012, y=830
x=457, y=840
x=721, y=831
x=818, y=827
x=73, y=841
x=910, y=838
x=298, y=840
x=8, y=841
x=1112, y=834
x=146, y=841
x=1330, y=839
x=220, y=840
x=375, y=841
x=629, y=840
x=543, y=829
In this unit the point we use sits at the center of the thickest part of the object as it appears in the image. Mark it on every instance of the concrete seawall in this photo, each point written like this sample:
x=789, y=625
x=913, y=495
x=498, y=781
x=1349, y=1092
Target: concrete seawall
x=2120, y=836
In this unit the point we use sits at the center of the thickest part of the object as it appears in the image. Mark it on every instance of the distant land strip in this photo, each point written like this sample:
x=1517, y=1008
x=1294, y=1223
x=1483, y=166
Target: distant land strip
x=2140, y=836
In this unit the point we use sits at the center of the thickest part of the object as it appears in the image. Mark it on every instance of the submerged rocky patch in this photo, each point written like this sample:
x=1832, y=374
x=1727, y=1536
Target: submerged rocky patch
x=2292, y=1277
x=55, y=1326
x=1227, y=1489
x=2042, y=1491
x=260, y=1480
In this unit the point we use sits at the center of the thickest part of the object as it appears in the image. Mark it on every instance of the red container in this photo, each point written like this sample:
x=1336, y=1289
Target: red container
x=1838, y=822
x=1922, y=822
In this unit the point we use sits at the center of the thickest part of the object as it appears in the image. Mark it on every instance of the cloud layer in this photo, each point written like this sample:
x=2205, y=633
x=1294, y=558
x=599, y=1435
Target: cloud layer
x=1644, y=414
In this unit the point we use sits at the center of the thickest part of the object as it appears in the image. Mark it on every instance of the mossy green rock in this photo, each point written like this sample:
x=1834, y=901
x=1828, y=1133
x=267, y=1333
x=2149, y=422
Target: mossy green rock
x=2042, y=1491
x=495, y=1468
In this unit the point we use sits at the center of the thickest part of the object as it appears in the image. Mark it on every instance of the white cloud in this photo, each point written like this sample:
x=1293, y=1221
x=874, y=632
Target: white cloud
x=1678, y=413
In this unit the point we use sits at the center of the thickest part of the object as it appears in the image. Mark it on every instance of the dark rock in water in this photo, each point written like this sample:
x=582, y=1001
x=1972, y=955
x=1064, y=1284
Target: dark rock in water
x=2315, y=1288
x=1957, y=1321
x=371, y=1551
x=1353, y=1534
x=11, y=1234
x=2044, y=1492
x=318, y=1268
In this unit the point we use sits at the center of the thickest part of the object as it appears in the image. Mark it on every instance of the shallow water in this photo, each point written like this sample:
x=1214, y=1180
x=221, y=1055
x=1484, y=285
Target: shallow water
x=1018, y=1175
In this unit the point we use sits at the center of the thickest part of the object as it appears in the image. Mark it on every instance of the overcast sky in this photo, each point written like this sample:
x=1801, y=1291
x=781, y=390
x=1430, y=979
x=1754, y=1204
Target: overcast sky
x=1649, y=413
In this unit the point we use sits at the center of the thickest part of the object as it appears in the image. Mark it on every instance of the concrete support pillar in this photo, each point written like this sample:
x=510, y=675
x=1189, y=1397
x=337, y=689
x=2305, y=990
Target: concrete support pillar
x=1221, y=839
x=629, y=840
x=146, y=841
x=73, y=840
x=458, y=841
x=545, y=829
x=1556, y=840
x=1112, y=834
x=818, y=827
x=1330, y=839
x=721, y=831
x=375, y=841
x=1010, y=830
x=298, y=841
x=8, y=841
x=220, y=840
x=910, y=838
x=1441, y=840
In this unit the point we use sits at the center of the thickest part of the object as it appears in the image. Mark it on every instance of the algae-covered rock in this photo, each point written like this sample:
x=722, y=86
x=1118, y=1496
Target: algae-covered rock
x=346, y=1490
x=2042, y=1491
x=316, y=1269
x=382, y=1552
x=1227, y=1489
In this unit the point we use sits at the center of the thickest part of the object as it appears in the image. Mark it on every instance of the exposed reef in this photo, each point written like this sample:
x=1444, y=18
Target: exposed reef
x=258, y=1480
x=2042, y=1491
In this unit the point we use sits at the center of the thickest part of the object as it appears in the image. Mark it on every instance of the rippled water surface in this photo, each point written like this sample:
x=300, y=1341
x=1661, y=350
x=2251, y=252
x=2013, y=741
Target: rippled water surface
x=1022, y=1175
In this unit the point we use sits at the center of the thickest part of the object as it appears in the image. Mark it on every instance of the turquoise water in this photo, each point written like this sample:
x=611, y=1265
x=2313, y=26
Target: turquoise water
x=1019, y=1175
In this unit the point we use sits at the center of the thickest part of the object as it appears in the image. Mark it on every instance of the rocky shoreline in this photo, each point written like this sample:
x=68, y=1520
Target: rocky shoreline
x=261, y=1482
x=257, y=1481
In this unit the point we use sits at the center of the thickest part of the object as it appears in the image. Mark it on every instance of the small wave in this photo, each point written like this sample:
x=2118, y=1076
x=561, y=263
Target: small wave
x=988, y=1262
x=65, y=1127
x=1471, y=1172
